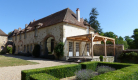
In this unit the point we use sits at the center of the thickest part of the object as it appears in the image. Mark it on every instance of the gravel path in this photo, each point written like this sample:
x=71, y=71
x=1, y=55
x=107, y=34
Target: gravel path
x=14, y=72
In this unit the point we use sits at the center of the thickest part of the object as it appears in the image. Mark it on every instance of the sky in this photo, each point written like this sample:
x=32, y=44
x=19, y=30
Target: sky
x=118, y=16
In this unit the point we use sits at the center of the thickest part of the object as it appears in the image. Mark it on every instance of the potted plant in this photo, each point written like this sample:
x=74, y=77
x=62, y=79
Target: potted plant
x=101, y=58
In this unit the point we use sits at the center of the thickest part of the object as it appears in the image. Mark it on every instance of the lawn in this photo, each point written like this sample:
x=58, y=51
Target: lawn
x=8, y=61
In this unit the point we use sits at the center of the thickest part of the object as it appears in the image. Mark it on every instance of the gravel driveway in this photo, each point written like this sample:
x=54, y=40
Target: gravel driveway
x=14, y=72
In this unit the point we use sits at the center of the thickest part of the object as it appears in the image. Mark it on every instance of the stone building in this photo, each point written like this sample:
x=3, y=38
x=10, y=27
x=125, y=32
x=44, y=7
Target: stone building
x=3, y=39
x=50, y=30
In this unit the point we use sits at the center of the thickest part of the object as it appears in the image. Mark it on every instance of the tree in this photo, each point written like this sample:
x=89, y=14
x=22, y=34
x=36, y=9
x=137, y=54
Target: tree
x=93, y=20
x=129, y=42
x=86, y=20
x=135, y=37
x=9, y=33
x=121, y=41
x=112, y=35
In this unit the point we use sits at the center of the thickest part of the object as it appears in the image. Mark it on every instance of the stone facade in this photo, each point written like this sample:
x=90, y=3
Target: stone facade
x=24, y=44
x=3, y=41
x=58, y=32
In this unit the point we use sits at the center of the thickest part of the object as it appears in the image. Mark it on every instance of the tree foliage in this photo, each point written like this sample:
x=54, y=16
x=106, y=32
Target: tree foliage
x=93, y=20
x=135, y=37
x=129, y=41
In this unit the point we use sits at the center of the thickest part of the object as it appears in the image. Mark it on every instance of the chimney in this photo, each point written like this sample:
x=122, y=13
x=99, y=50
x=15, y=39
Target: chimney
x=78, y=14
x=34, y=20
x=19, y=29
x=88, y=30
x=26, y=25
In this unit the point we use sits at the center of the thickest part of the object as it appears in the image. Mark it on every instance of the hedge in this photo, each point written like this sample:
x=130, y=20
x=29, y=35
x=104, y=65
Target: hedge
x=89, y=65
x=42, y=76
x=56, y=71
x=124, y=72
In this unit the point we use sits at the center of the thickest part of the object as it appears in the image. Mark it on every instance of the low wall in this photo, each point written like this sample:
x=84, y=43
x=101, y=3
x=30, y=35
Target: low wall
x=99, y=50
x=105, y=59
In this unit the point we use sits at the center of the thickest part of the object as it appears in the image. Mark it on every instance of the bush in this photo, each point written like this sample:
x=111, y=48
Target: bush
x=89, y=65
x=85, y=74
x=56, y=71
x=59, y=50
x=104, y=69
x=131, y=57
x=42, y=76
x=36, y=51
x=9, y=50
x=2, y=52
x=101, y=58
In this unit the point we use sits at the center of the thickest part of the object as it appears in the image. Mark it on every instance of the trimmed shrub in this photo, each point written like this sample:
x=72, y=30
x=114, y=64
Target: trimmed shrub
x=36, y=51
x=85, y=74
x=42, y=76
x=103, y=69
x=101, y=58
x=59, y=50
x=89, y=65
x=114, y=65
x=56, y=71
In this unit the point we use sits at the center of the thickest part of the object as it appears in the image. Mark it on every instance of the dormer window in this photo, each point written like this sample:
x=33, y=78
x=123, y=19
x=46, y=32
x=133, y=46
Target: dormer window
x=15, y=37
x=35, y=33
x=20, y=36
x=25, y=35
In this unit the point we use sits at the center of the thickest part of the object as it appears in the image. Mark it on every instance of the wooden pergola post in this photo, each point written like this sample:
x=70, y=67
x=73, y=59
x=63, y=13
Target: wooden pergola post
x=105, y=47
x=92, y=46
x=92, y=38
x=114, y=47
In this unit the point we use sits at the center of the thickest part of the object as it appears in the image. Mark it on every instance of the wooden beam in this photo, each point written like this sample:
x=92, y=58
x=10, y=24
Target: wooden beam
x=105, y=47
x=79, y=40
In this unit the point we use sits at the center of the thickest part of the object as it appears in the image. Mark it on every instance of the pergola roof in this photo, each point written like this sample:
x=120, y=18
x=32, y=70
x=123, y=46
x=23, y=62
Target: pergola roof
x=87, y=38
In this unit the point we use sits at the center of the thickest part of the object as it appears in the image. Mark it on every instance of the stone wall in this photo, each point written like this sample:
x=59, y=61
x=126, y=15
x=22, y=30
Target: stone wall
x=3, y=41
x=55, y=31
x=99, y=50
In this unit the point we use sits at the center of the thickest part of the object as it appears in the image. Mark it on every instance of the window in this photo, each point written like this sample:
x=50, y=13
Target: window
x=30, y=48
x=18, y=48
x=70, y=48
x=77, y=49
x=25, y=35
x=20, y=36
x=88, y=49
x=35, y=34
x=24, y=48
x=27, y=48
x=15, y=37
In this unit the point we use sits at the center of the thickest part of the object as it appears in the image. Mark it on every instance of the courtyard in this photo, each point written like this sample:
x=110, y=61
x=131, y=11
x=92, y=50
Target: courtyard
x=14, y=72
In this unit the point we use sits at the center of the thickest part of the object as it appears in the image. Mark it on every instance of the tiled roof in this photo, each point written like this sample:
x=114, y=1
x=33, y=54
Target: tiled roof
x=2, y=33
x=65, y=15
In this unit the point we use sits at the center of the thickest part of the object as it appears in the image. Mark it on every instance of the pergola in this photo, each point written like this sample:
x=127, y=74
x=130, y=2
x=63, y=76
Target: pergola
x=93, y=38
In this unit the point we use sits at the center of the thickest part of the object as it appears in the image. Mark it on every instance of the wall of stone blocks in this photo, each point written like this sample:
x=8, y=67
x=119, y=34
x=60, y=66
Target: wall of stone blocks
x=54, y=30
x=3, y=41
x=99, y=50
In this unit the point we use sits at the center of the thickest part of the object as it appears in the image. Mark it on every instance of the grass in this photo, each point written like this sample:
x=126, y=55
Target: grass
x=8, y=61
